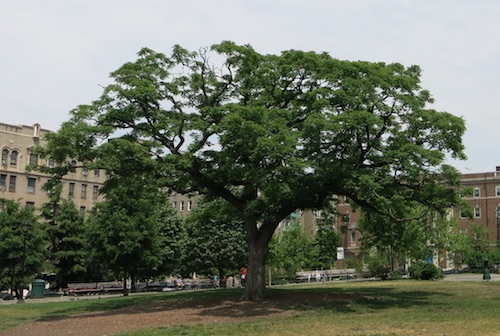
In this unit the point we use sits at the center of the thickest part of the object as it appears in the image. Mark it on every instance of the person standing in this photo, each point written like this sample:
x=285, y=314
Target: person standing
x=243, y=276
x=216, y=281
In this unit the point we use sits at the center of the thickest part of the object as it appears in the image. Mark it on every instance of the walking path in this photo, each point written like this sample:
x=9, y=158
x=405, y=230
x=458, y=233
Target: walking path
x=470, y=277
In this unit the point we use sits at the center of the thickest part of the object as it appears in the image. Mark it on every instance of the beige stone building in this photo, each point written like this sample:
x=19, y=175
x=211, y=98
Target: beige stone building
x=16, y=147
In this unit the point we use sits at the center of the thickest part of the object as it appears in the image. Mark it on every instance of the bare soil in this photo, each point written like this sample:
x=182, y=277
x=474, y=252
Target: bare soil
x=168, y=313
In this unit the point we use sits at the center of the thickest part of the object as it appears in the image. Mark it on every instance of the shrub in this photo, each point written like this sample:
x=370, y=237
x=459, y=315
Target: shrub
x=378, y=266
x=425, y=271
x=396, y=275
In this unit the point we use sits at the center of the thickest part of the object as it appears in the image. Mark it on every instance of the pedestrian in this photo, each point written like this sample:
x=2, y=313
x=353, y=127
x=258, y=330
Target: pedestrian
x=216, y=284
x=243, y=276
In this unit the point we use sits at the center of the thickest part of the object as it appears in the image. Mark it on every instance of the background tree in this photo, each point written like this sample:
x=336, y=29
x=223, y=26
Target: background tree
x=326, y=240
x=396, y=240
x=291, y=251
x=216, y=243
x=476, y=248
x=66, y=232
x=131, y=233
x=23, y=247
x=274, y=133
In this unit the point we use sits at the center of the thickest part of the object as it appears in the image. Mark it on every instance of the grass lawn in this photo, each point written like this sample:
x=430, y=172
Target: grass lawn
x=404, y=307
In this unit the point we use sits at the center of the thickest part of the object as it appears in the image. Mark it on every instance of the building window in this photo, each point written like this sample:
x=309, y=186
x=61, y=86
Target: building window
x=498, y=191
x=13, y=158
x=84, y=191
x=97, y=172
x=30, y=204
x=477, y=192
x=5, y=156
x=353, y=236
x=95, y=192
x=71, y=191
x=190, y=205
x=31, y=185
x=477, y=212
x=33, y=159
x=3, y=182
x=73, y=166
x=174, y=203
x=12, y=183
x=50, y=162
x=181, y=207
x=82, y=210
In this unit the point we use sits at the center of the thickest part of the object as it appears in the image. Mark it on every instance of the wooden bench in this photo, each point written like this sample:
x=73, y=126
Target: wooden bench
x=93, y=288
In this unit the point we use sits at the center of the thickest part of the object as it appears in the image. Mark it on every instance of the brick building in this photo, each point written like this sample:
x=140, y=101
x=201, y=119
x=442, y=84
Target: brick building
x=485, y=202
x=16, y=147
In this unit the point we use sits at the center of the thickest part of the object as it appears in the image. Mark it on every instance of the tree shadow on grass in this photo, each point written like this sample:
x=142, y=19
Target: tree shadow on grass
x=226, y=303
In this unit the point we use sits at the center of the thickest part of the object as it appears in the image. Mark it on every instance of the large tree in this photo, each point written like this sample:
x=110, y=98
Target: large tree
x=274, y=133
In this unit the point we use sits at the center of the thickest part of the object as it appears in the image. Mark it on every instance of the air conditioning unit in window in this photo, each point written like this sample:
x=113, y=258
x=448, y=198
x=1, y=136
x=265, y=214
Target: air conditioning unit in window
x=4, y=162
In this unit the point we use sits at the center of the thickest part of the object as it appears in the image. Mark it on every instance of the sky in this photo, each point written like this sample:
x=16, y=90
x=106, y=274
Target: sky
x=57, y=54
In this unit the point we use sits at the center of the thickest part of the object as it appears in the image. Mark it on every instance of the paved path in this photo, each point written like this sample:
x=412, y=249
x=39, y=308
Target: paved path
x=470, y=277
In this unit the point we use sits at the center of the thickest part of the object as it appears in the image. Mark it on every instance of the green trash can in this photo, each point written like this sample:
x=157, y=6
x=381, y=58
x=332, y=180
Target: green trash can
x=37, y=288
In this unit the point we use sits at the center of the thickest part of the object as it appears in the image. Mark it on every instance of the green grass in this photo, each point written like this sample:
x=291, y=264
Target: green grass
x=404, y=307
x=12, y=314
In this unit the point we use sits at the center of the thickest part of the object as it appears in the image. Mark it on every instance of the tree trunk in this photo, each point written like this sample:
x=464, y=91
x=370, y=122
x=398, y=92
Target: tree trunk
x=125, y=288
x=258, y=245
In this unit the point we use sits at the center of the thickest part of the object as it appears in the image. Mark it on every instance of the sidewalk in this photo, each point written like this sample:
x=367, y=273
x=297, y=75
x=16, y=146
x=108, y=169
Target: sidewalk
x=470, y=277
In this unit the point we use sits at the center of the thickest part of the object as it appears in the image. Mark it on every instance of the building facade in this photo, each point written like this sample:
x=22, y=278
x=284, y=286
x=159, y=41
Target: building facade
x=484, y=199
x=17, y=143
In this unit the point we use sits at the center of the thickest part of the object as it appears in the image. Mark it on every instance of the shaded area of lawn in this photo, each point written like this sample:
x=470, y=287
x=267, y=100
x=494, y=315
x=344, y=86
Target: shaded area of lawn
x=383, y=306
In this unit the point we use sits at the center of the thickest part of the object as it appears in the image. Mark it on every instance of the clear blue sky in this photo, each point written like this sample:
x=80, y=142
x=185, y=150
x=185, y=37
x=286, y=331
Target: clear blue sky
x=57, y=53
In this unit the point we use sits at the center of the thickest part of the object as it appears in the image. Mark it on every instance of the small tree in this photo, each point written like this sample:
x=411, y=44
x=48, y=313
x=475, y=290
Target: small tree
x=23, y=248
x=291, y=251
x=326, y=240
x=67, y=244
x=216, y=240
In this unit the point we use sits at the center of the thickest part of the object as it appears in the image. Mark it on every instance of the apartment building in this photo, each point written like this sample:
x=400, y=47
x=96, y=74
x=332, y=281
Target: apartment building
x=183, y=204
x=485, y=203
x=16, y=147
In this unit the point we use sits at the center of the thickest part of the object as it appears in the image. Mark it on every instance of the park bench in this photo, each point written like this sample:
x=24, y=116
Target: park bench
x=325, y=275
x=93, y=288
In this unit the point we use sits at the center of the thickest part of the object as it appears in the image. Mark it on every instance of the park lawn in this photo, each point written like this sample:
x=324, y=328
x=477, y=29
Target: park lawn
x=405, y=307
x=374, y=308
x=12, y=314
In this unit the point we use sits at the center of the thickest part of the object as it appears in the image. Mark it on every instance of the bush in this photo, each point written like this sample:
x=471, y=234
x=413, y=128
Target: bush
x=378, y=266
x=396, y=275
x=425, y=271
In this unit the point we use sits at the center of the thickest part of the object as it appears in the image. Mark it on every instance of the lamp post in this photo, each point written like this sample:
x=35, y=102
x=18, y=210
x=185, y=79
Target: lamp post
x=25, y=227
